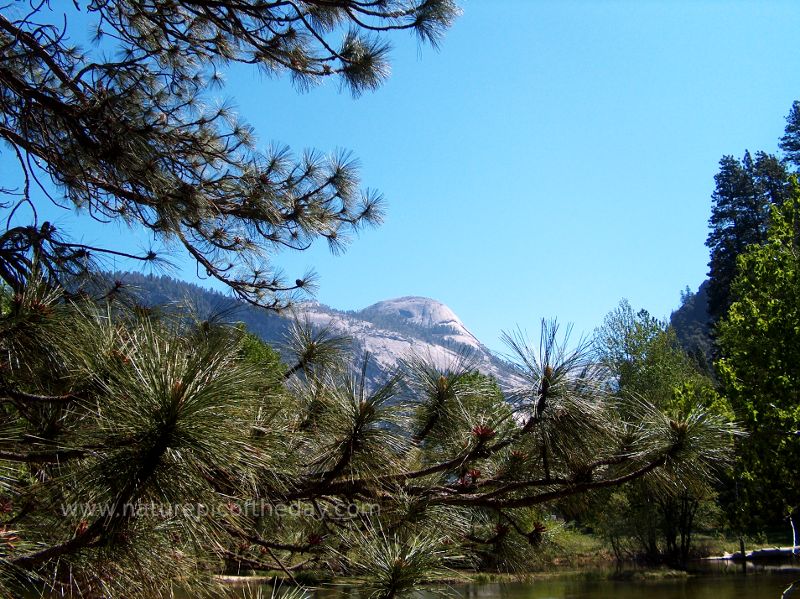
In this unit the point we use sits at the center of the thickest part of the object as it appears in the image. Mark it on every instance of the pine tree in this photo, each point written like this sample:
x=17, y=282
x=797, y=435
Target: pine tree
x=144, y=452
x=744, y=192
x=130, y=138
x=790, y=142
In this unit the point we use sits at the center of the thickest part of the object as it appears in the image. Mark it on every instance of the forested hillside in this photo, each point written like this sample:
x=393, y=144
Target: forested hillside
x=388, y=331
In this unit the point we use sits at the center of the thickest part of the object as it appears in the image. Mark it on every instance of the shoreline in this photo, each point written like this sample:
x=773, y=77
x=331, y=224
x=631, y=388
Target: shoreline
x=765, y=554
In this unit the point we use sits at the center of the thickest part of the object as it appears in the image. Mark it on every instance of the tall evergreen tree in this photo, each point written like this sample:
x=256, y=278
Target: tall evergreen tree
x=745, y=190
x=771, y=179
x=790, y=142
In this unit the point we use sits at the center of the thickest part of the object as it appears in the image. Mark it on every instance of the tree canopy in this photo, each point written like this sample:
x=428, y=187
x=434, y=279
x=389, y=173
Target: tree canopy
x=745, y=190
x=132, y=139
x=790, y=142
x=644, y=358
x=759, y=343
x=143, y=452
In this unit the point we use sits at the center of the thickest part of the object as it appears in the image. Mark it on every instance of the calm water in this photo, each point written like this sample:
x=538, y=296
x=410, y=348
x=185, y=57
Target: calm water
x=714, y=583
x=730, y=587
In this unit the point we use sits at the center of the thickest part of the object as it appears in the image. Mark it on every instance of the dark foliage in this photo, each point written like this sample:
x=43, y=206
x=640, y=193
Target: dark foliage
x=790, y=142
x=692, y=325
x=745, y=189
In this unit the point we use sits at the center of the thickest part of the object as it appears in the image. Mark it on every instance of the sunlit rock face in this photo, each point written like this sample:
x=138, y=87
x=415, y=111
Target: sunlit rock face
x=389, y=331
x=400, y=328
x=427, y=314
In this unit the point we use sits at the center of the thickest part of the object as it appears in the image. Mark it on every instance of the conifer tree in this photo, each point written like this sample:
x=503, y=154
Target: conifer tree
x=131, y=139
x=143, y=452
x=745, y=190
x=790, y=142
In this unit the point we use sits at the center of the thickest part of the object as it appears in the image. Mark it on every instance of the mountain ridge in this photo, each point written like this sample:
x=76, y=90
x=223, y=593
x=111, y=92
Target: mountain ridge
x=389, y=331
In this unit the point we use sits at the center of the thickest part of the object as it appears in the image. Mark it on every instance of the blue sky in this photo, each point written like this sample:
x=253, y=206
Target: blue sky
x=550, y=159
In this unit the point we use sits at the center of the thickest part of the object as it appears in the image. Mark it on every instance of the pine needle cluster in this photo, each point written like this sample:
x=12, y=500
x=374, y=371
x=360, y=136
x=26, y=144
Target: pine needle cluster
x=144, y=452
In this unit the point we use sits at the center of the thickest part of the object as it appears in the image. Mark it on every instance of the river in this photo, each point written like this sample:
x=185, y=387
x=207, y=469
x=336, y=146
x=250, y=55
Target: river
x=713, y=582
x=766, y=586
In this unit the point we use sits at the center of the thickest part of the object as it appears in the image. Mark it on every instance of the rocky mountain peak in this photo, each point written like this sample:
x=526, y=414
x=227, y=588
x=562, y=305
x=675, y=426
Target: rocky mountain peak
x=423, y=313
x=389, y=331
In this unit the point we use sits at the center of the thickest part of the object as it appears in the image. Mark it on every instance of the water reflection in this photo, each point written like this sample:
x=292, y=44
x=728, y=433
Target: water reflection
x=767, y=586
x=715, y=581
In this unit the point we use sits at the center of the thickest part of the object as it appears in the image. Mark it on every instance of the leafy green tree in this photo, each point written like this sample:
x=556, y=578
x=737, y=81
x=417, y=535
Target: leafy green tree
x=759, y=340
x=644, y=359
x=132, y=139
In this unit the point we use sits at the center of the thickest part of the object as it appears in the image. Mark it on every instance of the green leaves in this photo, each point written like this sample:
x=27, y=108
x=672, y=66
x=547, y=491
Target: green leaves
x=666, y=407
x=758, y=341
